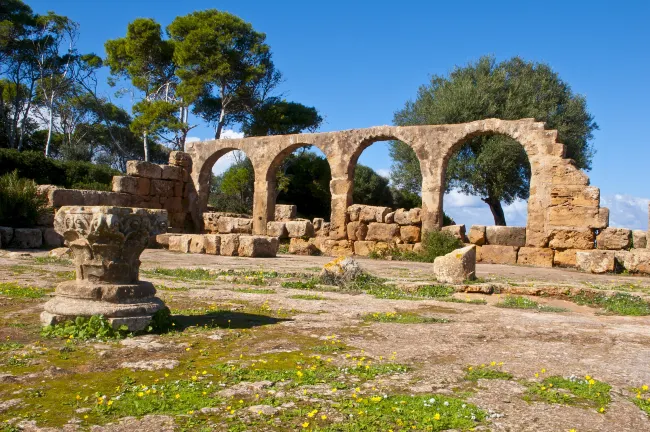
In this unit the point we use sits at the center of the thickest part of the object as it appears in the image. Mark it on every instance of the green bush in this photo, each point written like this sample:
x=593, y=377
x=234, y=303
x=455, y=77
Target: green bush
x=20, y=204
x=34, y=165
x=434, y=244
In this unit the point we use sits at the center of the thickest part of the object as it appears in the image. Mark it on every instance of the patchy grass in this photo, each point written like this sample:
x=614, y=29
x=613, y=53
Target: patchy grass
x=308, y=297
x=489, y=371
x=617, y=304
x=401, y=318
x=309, y=284
x=465, y=301
x=520, y=302
x=85, y=328
x=254, y=290
x=10, y=346
x=52, y=260
x=168, y=288
x=13, y=290
x=586, y=392
x=642, y=399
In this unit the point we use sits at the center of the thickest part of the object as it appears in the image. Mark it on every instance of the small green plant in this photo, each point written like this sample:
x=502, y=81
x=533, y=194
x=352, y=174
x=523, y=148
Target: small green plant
x=401, y=318
x=52, y=260
x=308, y=297
x=13, y=290
x=20, y=203
x=309, y=284
x=489, y=371
x=642, y=399
x=10, y=346
x=255, y=290
x=586, y=392
x=519, y=302
x=617, y=304
x=83, y=328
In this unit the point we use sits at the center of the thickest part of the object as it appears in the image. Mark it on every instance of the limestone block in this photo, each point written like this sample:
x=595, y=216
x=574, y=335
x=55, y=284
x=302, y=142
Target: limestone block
x=579, y=196
x=180, y=243
x=144, y=186
x=639, y=239
x=301, y=228
x=173, y=204
x=368, y=214
x=180, y=159
x=389, y=218
x=364, y=248
x=197, y=244
x=417, y=248
x=125, y=184
x=383, y=232
x=457, y=231
x=212, y=243
x=162, y=240
x=595, y=261
x=277, y=229
x=337, y=247
x=409, y=233
x=538, y=257
x=258, y=246
x=578, y=217
x=164, y=188
x=402, y=217
x=51, y=238
x=27, y=238
x=578, y=238
x=457, y=266
x=46, y=219
x=229, y=244
x=477, y=235
x=143, y=169
x=228, y=225
x=65, y=197
x=178, y=189
x=325, y=230
x=298, y=246
x=565, y=258
x=415, y=216
x=637, y=261
x=318, y=224
x=506, y=235
x=567, y=174
x=614, y=238
x=6, y=235
x=357, y=230
x=498, y=254
x=285, y=212
x=171, y=172
x=404, y=247
x=353, y=212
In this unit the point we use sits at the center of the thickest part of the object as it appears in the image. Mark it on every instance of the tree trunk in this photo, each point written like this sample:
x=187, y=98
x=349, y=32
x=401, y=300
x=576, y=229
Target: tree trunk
x=496, y=209
x=49, y=133
x=217, y=133
x=146, y=147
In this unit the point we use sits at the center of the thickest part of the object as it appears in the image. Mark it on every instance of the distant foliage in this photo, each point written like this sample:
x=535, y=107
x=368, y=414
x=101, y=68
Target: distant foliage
x=20, y=204
x=72, y=174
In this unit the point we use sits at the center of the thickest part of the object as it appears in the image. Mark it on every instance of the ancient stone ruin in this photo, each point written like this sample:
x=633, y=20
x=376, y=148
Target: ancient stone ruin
x=566, y=226
x=106, y=243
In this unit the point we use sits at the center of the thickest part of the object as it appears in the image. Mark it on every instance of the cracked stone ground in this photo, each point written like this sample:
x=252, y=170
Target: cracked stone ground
x=250, y=354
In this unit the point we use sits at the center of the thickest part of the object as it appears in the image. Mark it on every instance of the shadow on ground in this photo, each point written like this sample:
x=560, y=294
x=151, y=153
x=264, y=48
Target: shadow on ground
x=226, y=319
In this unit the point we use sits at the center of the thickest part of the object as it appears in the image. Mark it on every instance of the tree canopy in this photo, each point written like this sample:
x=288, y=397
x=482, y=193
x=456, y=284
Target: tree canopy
x=494, y=167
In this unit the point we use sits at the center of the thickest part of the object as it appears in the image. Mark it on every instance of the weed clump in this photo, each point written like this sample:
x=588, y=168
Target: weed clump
x=401, y=318
x=519, y=302
x=483, y=371
x=617, y=304
x=13, y=290
x=94, y=327
x=586, y=392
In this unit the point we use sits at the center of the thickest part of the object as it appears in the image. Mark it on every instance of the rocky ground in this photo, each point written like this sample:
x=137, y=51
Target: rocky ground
x=247, y=353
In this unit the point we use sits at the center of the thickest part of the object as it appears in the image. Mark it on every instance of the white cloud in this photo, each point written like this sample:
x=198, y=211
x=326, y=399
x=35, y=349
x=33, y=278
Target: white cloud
x=471, y=210
x=384, y=172
x=626, y=211
x=231, y=134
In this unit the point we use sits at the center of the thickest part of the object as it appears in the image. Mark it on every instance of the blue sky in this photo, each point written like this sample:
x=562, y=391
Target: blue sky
x=358, y=62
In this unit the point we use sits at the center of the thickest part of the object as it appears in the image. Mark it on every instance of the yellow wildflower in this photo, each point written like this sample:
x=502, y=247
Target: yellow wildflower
x=436, y=416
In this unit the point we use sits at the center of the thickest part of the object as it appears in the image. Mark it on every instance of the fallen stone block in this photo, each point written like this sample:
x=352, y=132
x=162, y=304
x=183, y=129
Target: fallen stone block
x=579, y=238
x=506, y=235
x=363, y=247
x=27, y=238
x=357, y=230
x=565, y=258
x=383, y=232
x=409, y=233
x=477, y=235
x=197, y=244
x=596, y=261
x=637, y=261
x=457, y=231
x=162, y=240
x=180, y=243
x=639, y=239
x=277, y=229
x=301, y=228
x=233, y=225
x=229, y=244
x=285, y=212
x=340, y=271
x=6, y=235
x=538, y=257
x=143, y=169
x=614, y=238
x=298, y=246
x=457, y=266
x=497, y=254
x=51, y=238
x=257, y=246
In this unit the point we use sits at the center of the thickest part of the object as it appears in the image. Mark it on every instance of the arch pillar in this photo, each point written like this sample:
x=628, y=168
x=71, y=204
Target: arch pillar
x=432, y=196
x=341, y=190
x=263, y=205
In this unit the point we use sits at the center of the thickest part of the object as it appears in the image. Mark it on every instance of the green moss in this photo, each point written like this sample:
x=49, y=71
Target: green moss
x=52, y=260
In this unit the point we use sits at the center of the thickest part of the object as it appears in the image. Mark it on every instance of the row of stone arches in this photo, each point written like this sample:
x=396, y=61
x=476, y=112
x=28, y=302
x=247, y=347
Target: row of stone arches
x=433, y=145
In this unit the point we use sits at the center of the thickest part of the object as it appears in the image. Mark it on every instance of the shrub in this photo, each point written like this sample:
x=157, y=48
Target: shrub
x=438, y=243
x=20, y=203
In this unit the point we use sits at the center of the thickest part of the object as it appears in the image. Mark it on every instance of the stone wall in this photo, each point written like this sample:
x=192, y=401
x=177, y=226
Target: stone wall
x=242, y=245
